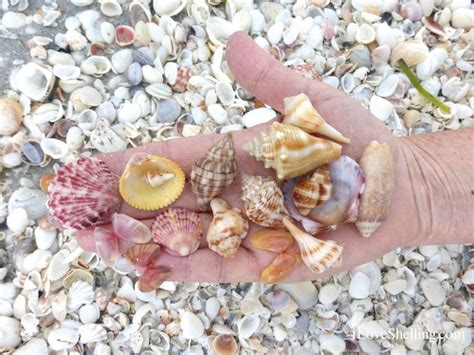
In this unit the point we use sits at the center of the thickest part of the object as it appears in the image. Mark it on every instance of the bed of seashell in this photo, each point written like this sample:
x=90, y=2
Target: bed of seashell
x=113, y=74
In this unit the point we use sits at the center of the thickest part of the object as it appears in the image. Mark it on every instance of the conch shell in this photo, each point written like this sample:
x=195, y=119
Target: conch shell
x=264, y=202
x=150, y=182
x=214, y=172
x=314, y=190
x=378, y=166
x=227, y=228
x=301, y=113
x=318, y=255
x=291, y=151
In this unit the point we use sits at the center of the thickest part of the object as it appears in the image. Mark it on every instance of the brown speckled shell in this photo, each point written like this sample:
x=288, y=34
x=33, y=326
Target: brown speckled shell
x=313, y=190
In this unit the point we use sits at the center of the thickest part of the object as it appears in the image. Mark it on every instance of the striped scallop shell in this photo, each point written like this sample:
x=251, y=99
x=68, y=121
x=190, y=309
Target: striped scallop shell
x=313, y=190
x=142, y=255
x=214, y=172
x=83, y=194
x=264, y=203
x=178, y=230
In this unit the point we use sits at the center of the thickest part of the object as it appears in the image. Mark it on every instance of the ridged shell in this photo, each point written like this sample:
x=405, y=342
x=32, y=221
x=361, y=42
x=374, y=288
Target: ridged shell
x=318, y=255
x=142, y=255
x=301, y=113
x=227, y=228
x=264, y=203
x=273, y=240
x=130, y=229
x=378, y=166
x=291, y=151
x=107, y=245
x=214, y=172
x=11, y=116
x=178, y=230
x=280, y=268
x=313, y=190
x=83, y=194
x=150, y=182
x=35, y=81
x=153, y=277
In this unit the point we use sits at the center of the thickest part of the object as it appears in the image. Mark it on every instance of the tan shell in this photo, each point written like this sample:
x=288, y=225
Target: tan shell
x=11, y=116
x=313, y=190
x=264, y=203
x=214, y=172
x=412, y=52
x=300, y=112
x=378, y=167
x=291, y=151
x=227, y=228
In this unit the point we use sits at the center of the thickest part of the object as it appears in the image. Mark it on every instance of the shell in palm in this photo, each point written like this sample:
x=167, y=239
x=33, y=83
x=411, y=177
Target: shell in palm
x=214, y=172
x=291, y=151
x=301, y=113
x=313, y=190
x=264, y=202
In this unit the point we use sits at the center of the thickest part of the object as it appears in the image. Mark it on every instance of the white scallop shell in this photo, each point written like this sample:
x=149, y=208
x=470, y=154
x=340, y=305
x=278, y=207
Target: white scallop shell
x=80, y=293
x=49, y=112
x=159, y=90
x=96, y=65
x=92, y=333
x=35, y=81
x=65, y=71
x=89, y=313
x=63, y=338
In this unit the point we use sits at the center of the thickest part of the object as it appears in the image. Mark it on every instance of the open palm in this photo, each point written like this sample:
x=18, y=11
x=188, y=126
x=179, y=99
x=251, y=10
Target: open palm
x=271, y=82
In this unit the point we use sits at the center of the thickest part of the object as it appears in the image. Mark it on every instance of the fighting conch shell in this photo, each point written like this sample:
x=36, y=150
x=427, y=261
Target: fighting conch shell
x=378, y=166
x=227, y=228
x=301, y=113
x=214, y=172
x=291, y=151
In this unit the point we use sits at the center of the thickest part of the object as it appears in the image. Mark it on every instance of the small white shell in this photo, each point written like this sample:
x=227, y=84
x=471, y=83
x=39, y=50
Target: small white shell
x=191, y=326
x=35, y=81
x=96, y=65
x=380, y=108
x=365, y=34
x=169, y=7
x=248, y=325
x=110, y=8
x=107, y=30
x=85, y=97
x=55, y=148
x=44, y=238
x=121, y=60
x=225, y=92
x=35, y=346
x=106, y=110
x=219, y=30
x=258, y=116
x=74, y=138
x=17, y=220
x=129, y=112
x=348, y=82
x=14, y=20
x=89, y=313
x=105, y=139
x=65, y=71
x=388, y=86
x=87, y=120
x=49, y=112
x=80, y=293
x=151, y=75
x=92, y=333
x=76, y=40
x=217, y=112
x=37, y=261
x=59, y=265
x=63, y=338
x=159, y=90
x=10, y=330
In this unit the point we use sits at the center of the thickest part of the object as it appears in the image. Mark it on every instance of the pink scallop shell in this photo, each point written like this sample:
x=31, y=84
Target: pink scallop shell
x=178, y=230
x=83, y=194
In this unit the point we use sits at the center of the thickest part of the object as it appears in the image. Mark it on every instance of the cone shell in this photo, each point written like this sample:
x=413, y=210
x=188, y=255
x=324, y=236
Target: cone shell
x=264, y=203
x=280, y=268
x=301, y=113
x=142, y=255
x=83, y=194
x=11, y=116
x=291, y=151
x=318, y=255
x=227, y=228
x=178, y=230
x=151, y=182
x=273, y=240
x=313, y=190
x=378, y=166
x=214, y=172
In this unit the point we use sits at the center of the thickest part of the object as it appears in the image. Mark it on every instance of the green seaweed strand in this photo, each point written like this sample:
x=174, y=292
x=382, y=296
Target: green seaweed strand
x=414, y=81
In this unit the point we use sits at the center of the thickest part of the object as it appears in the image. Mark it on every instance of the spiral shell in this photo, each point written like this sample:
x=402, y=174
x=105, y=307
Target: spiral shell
x=11, y=116
x=301, y=113
x=264, y=203
x=378, y=166
x=150, y=182
x=313, y=190
x=214, y=172
x=227, y=228
x=291, y=151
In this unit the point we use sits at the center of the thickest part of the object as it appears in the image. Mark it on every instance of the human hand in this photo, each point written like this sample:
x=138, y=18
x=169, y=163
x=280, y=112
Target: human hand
x=271, y=82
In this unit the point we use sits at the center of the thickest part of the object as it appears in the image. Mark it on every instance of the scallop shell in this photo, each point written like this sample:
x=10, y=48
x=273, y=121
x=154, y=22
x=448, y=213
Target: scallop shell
x=227, y=228
x=313, y=190
x=378, y=166
x=92, y=333
x=280, y=268
x=11, y=113
x=35, y=81
x=291, y=151
x=264, y=203
x=178, y=230
x=151, y=182
x=80, y=293
x=142, y=255
x=83, y=193
x=318, y=255
x=301, y=113
x=214, y=172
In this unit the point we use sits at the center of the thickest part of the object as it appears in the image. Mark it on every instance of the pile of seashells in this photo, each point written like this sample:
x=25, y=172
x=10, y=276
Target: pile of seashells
x=111, y=74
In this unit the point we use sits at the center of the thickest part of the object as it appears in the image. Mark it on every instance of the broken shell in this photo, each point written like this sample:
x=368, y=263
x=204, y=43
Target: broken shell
x=110, y=8
x=380, y=108
x=124, y=35
x=83, y=194
x=105, y=139
x=11, y=113
x=35, y=81
x=264, y=203
x=150, y=182
x=301, y=113
x=130, y=229
x=142, y=255
x=219, y=30
x=388, y=86
x=153, y=277
x=55, y=148
x=178, y=230
x=291, y=151
x=378, y=167
x=273, y=240
x=280, y=268
x=412, y=52
x=96, y=65
x=107, y=245
x=318, y=255
x=214, y=172
x=313, y=190
x=227, y=228
x=49, y=112
x=224, y=344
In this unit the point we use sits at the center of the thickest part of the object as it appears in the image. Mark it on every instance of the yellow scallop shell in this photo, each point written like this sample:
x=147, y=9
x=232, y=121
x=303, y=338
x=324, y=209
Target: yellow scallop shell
x=136, y=188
